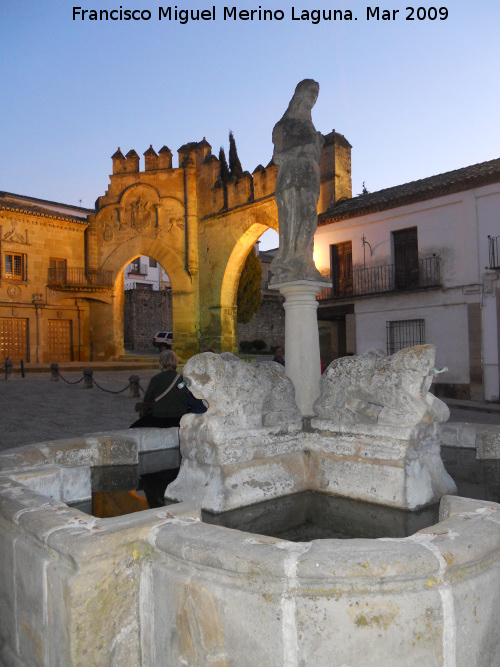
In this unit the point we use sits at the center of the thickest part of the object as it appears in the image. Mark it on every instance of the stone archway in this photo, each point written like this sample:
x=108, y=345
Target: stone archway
x=229, y=287
x=107, y=319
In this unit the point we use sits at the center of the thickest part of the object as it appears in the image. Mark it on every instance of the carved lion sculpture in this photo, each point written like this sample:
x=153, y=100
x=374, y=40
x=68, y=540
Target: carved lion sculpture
x=375, y=388
x=247, y=395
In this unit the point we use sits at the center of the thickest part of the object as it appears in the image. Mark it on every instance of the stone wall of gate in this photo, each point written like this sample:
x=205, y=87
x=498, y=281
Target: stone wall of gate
x=145, y=313
x=268, y=323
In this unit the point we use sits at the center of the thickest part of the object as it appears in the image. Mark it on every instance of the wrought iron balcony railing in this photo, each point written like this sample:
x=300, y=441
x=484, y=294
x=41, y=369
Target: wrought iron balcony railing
x=138, y=269
x=494, y=251
x=382, y=279
x=76, y=278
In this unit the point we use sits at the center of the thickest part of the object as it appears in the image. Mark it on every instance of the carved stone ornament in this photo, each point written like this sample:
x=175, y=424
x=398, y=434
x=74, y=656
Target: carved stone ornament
x=171, y=224
x=14, y=292
x=14, y=236
x=170, y=216
x=142, y=214
x=107, y=234
x=109, y=220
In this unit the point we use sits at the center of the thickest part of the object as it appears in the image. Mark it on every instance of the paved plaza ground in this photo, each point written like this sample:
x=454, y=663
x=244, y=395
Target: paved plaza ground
x=35, y=408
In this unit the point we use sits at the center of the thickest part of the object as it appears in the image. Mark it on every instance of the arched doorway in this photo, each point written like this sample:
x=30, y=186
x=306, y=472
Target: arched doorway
x=147, y=304
x=230, y=282
x=107, y=321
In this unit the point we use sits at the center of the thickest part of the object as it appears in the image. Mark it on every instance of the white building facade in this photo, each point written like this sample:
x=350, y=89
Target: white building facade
x=415, y=264
x=145, y=273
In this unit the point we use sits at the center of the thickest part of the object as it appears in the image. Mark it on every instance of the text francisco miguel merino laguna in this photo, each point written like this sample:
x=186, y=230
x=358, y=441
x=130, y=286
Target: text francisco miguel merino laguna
x=226, y=13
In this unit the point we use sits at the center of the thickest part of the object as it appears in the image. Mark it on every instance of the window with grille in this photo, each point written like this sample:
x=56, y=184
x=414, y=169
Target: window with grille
x=15, y=266
x=404, y=333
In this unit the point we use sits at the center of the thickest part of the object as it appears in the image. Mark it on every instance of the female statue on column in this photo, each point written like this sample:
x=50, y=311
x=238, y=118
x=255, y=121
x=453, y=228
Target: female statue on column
x=297, y=154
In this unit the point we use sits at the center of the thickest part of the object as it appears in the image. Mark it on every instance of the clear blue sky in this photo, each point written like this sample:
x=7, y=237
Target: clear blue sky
x=414, y=98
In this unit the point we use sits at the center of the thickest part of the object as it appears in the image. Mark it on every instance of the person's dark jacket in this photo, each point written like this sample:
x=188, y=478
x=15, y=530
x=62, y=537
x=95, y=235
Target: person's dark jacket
x=175, y=403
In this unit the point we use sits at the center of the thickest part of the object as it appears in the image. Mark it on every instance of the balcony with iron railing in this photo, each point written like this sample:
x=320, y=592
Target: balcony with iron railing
x=137, y=269
x=79, y=279
x=494, y=251
x=383, y=279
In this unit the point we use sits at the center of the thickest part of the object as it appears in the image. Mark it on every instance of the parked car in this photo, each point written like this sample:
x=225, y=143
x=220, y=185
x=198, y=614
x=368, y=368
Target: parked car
x=163, y=340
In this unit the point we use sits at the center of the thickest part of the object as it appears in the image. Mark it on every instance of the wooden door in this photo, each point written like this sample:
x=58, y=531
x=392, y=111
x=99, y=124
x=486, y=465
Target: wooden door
x=14, y=339
x=406, y=274
x=341, y=263
x=59, y=340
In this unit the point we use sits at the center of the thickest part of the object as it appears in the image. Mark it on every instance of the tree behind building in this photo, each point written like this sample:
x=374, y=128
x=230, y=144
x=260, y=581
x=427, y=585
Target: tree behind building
x=249, y=294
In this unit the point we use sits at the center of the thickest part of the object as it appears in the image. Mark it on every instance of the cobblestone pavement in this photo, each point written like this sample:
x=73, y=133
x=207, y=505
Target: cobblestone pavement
x=35, y=408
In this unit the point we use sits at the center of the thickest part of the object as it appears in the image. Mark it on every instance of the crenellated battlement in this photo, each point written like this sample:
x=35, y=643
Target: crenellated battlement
x=264, y=180
x=239, y=190
x=215, y=196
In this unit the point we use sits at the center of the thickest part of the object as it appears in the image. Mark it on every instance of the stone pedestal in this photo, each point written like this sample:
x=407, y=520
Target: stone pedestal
x=303, y=365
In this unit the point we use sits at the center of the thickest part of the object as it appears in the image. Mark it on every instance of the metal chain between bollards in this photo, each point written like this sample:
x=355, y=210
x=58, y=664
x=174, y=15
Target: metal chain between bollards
x=68, y=381
x=88, y=377
x=110, y=391
x=55, y=375
x=64, y=379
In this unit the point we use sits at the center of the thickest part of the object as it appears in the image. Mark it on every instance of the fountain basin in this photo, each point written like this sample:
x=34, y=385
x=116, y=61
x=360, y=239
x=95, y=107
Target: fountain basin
x=163, y=587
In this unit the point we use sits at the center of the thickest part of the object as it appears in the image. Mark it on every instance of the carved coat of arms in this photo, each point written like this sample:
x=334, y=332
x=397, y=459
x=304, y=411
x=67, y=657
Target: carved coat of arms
x=142, y=214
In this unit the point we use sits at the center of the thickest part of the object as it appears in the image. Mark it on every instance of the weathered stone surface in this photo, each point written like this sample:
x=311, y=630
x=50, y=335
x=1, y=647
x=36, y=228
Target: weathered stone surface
x=104, y=448
x=69, y=484
x=352, y=602
x=252, y=417
x=483, y=438
x=297, y=154
x=393, y=460
x=376, y=430
x=488, y=442
x=220, y=488
x=303, y=365
x=162, y=587
x=375, y=389
x=240, y=395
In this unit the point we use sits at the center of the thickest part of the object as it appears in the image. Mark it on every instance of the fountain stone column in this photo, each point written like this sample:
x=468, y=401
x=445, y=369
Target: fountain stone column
x=303, y=364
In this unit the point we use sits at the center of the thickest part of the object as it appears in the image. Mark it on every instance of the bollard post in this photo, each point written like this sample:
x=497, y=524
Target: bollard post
x=22, y=369
x=8, y=368
x=54, y=371
x=134, y=386
x=88, y=383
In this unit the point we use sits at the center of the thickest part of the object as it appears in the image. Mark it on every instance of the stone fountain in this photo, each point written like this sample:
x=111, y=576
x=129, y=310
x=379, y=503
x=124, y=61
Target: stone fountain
x=164, y=587
x=373, y=437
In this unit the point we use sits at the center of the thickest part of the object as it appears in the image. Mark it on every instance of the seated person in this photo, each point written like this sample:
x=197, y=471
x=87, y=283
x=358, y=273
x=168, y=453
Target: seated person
x=278, y=355
x=167, y=410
